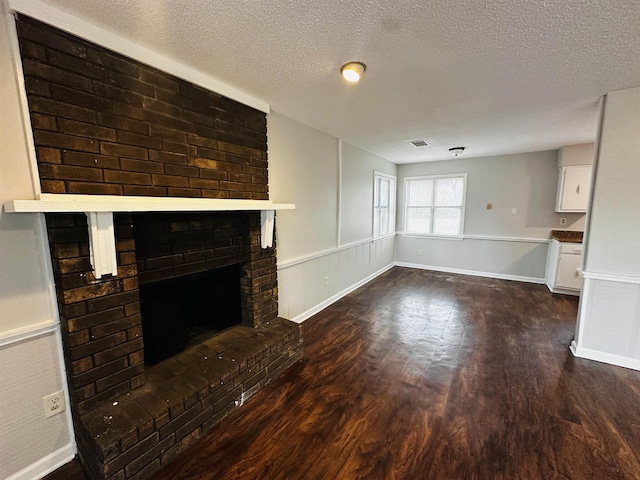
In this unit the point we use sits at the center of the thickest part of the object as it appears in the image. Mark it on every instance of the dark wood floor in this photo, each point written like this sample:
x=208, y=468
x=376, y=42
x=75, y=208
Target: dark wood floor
x=422, y=375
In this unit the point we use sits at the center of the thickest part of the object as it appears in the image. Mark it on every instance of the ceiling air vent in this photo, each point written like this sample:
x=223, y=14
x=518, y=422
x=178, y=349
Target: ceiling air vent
x=419, y=143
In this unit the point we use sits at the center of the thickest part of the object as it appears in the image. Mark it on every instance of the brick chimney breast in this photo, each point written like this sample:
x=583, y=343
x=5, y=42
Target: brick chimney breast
x=104, y=124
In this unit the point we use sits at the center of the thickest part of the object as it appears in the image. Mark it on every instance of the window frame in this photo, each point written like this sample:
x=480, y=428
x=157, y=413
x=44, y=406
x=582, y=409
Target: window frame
x=433, y=178
x=376, y=208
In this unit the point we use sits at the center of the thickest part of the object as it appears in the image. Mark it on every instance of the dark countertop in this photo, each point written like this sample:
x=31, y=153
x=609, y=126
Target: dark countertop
x=567, y=236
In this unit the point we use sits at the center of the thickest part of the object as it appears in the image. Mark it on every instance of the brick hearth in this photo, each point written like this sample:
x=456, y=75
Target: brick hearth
x=135, y=434
x=104, y=124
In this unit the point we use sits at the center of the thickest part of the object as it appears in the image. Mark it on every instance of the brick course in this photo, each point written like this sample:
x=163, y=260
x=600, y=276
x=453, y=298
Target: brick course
x=112, y=125
x=144, y=430
x=100, y=320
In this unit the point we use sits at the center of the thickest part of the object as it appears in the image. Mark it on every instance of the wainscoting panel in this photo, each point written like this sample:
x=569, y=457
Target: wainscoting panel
x=522, y=259
x=609, y=320
x=307, y=286
x=31, y=370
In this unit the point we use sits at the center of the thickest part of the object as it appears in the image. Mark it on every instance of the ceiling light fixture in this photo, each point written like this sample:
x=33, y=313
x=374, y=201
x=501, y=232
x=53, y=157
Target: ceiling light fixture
x=352, y=71
x=456, y=150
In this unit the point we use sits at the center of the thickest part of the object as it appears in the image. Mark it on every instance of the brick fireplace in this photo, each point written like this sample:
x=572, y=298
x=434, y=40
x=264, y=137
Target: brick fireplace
x=106, y=125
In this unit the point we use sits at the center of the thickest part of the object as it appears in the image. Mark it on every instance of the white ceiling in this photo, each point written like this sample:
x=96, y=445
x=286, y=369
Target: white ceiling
x=497, y=77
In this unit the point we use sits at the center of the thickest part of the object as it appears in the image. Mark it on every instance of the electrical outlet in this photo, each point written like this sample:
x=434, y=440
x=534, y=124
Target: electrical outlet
x=420, y=252
x=54, y=404
x=326, y=281
x=563, y=221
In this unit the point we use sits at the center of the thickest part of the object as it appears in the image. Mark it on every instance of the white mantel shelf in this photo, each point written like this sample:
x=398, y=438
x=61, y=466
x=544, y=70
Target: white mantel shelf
x=100, y=209
x=61, y=203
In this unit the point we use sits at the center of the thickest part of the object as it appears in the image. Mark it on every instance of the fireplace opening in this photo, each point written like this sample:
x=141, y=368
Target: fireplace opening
x=183, y=311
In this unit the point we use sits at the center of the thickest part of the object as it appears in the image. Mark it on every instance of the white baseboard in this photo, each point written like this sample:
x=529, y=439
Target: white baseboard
x=475, y=273
x=564, y=291
x=46, y=465
x=321, y=306
x=610, y=358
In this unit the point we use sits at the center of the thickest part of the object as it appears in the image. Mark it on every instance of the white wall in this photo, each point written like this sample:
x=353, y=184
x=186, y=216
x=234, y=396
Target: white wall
x=608, y=326
x=315, y=266
x=356, y=202
x=581, y=154
x=303, y=169
x=30, y=358
x=496, y=243
x=615, y=213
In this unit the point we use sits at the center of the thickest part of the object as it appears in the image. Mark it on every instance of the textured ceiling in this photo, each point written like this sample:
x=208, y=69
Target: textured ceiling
x=497, y=77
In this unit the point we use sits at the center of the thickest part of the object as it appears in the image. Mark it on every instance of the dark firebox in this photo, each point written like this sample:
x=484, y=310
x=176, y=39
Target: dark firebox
x=184, y=311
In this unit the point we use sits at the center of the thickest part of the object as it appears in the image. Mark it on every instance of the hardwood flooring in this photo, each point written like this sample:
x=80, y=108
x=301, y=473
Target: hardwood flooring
x=423, y=375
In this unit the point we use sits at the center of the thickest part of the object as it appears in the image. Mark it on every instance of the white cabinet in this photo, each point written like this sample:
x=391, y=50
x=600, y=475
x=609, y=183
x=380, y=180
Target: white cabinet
x=568, y=276
x=563, y=262
x=574, y=188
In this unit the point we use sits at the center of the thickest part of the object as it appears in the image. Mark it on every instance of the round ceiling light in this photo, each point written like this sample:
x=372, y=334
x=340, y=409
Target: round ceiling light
x=456, y=150
x=352, y=71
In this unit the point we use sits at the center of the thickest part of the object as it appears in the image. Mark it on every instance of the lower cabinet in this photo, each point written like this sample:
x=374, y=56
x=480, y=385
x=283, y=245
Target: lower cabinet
x=563, y=263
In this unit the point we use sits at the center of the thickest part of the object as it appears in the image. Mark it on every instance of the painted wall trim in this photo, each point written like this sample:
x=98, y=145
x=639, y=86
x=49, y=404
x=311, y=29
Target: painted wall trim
x=367, y=240
x=594, y=176
x=608, y=277
x=24, y=105
x=81, y=28
x=47, y=464
x=507, y=239
x=479, y=237
x=324, y=253
x=339, y=199
x=457, y=238
x=28, y=332
x=564, y=291
x=598, y=356
x=321, y=306
x=475, y=273
x=583, y=308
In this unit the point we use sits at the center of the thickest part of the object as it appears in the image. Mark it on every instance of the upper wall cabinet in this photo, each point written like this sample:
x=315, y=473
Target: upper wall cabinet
x=574, y=180
x=574, y=188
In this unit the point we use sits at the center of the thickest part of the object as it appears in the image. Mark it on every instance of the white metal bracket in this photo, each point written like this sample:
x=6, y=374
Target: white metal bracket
x=267, y=224
x=102, y=243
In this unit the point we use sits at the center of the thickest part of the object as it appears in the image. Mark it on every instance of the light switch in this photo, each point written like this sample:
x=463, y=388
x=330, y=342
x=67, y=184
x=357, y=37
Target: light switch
x=489, y=206
x=514, y=210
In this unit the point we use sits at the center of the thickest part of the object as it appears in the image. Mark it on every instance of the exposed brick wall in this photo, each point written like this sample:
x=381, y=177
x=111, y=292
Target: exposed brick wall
x=104, y=124
x=100, y=319
x=101, y=322
x=170, y=244
x=259, y=282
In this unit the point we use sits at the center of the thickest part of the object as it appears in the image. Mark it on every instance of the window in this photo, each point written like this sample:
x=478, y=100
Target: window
x=434, y=205
x=384, y=204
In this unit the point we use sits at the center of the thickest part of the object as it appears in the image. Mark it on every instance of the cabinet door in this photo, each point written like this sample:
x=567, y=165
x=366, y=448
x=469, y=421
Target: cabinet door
x=568, y=276
x=552, y=263
x=575, y=189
